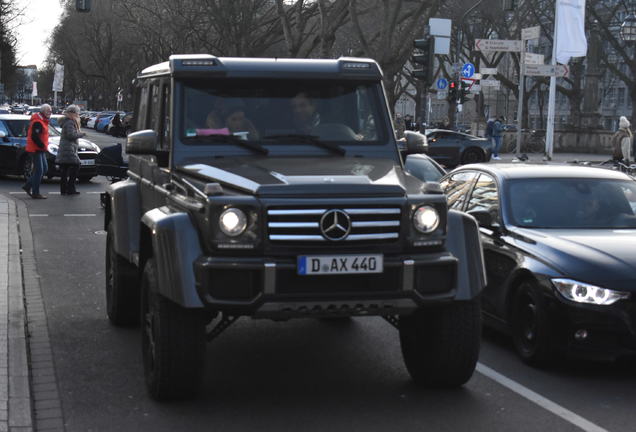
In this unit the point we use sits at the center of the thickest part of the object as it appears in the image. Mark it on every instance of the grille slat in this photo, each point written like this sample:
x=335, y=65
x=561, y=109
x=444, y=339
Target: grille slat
x=381, y=224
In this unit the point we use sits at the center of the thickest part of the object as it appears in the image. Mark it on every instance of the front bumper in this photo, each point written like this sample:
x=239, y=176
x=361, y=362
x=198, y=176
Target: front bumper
x=271, y=288
x=610, y=331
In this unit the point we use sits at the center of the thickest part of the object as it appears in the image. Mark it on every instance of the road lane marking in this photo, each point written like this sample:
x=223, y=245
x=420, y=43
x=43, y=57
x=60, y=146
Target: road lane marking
x=542, y=401
x=17, y=193
x=39, y=215
x=93, y=193
x=79, y=215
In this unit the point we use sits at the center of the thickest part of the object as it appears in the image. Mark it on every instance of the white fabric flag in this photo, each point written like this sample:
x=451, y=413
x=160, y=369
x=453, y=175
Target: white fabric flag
x=34, y=92
x=570, y=32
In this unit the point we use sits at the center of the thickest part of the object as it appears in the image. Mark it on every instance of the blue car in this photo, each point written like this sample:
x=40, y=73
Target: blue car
x=103, y=122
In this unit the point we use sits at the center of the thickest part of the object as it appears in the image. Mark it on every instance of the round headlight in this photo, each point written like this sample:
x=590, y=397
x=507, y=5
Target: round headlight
x=233, y=222
x=426, y=219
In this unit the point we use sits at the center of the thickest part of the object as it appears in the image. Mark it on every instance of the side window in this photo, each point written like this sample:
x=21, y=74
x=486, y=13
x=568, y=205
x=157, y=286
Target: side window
x=155, y=109
x=3, y=128
x=142, y=108
x=457, y=187
x=484, y=196
x=164, y=127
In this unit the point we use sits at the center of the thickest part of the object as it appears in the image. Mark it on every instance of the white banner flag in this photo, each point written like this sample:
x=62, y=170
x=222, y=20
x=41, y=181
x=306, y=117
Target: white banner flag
x=58, y=78
x=34, y=92
x=570, y=30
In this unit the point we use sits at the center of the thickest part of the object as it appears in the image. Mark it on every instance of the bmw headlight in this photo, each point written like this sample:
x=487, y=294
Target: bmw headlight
x=585, y=293
x=53, y=148
x=426, y=219
x=233, y=222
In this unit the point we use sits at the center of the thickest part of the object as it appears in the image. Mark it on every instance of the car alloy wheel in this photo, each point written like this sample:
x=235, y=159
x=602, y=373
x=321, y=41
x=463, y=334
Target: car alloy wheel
x=472, y=155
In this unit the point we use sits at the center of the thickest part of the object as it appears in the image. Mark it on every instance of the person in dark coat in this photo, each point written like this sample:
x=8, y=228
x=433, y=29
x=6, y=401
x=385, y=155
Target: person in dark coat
x=67, y=157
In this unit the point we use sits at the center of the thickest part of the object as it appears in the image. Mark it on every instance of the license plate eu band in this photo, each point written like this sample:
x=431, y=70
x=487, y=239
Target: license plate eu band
x=340, y=264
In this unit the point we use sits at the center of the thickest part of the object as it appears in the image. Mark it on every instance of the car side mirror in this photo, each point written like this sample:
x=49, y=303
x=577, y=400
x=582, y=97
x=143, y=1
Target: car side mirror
x=484, y=218
x=142, y=142
x=415, y=142
x=2, y=134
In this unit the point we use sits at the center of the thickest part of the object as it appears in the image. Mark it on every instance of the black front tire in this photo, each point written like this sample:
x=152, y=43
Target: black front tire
x=122, y=286
x=173, y=343
x=440, y=345
x=473, y=155
x=531, y=332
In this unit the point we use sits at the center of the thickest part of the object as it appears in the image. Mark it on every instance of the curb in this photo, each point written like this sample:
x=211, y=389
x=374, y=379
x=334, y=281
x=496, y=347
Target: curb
x=46, y=404
x=16, y=413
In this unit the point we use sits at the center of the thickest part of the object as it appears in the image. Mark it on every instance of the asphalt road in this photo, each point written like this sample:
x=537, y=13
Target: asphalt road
x=296, y=375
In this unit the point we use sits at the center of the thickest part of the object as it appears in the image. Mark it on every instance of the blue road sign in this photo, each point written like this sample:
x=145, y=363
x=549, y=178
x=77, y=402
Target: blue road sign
x=468, y=70
x=442, y=83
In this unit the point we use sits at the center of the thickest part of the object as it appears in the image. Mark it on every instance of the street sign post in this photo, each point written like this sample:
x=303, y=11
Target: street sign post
x=531, y=33
x=534, y=59
x=497, y=45
x=468, y=70
x=558, y=70
x=442, y=83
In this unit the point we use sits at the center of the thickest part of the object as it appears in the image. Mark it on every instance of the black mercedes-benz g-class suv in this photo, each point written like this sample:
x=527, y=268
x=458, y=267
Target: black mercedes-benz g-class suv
x=275, y=188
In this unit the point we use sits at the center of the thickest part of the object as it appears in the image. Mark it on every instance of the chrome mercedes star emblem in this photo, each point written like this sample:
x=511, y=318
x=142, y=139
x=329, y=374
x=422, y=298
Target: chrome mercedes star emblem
x=335, y=225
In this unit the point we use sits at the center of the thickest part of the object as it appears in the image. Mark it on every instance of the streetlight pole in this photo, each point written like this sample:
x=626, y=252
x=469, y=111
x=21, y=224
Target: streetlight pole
x=458, y=49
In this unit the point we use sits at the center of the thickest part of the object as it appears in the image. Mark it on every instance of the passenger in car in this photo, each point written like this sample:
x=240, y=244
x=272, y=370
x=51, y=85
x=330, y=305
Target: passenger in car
x=238, y=124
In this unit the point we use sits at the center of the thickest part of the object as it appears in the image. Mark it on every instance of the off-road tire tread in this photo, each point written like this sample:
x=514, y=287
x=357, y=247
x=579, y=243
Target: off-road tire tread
x=180, y=348
x=441, y=345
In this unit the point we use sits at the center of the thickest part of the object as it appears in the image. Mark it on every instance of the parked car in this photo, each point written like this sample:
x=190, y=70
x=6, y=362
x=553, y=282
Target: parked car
x=102, y=115
x=90, y=123
x=451, y=148
x=559, y=247
x=55, y=121
x=15, y=160
x=103, y=122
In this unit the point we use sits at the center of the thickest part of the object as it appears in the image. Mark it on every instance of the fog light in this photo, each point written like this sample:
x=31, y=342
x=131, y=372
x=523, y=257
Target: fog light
x=580, y=334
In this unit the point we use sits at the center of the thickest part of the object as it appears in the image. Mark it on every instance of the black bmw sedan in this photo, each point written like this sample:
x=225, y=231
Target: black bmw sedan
x=560, y=252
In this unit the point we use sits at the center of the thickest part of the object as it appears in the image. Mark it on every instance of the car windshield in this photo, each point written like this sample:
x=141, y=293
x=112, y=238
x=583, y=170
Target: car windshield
x=52, y=131
x=572, y=203
x=272, y=111
x=18, y=128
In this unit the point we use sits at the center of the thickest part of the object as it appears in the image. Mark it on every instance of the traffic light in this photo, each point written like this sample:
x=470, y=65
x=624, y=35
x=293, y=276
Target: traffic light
x=465, y=89
x=83, y=5
x=423, y=57
x=452, y=90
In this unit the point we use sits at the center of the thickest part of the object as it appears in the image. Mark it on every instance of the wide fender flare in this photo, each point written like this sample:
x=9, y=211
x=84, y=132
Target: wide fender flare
x=175, y=248
x=463, y=241
x=124, y=212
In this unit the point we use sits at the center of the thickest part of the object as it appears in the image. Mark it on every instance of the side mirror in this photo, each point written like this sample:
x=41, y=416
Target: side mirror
x=485, y=220
x=415, y=142
x=142, y=142
x=2, y=134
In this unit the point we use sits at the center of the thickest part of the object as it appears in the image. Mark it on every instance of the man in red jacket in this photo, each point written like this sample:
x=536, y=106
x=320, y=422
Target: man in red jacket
x=37, y=146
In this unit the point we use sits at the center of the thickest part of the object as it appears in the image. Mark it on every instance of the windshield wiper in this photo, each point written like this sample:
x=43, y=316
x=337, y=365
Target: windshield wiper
x=309, y=139
x=257, y=148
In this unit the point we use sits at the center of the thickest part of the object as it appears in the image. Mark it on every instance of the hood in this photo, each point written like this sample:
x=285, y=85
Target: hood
x=604, y=257
x=279, y=176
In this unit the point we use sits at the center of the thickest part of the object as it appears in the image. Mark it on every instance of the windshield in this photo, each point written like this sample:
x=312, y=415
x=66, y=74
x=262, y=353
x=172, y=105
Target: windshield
x=572, y=203
x=18, y=128
x=273, y=111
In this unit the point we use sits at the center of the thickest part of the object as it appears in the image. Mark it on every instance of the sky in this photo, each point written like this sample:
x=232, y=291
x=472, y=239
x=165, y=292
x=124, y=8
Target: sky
x=40, y=18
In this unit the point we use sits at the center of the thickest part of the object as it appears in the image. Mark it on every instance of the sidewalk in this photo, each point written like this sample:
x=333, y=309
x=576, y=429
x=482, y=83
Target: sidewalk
x=15, y=392
x=29, y=396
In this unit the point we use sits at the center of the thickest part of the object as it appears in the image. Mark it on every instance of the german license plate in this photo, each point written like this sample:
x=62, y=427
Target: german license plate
x=339, y=264
x=87, y=161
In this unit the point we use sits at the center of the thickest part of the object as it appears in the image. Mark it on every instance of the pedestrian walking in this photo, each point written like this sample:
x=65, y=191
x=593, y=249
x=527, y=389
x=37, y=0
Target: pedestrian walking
x=37, y=147
x=497, y=129
x=622, y=142
x=67, y=157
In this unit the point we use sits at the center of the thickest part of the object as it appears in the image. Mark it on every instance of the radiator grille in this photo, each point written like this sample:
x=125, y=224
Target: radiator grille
x=289, y=225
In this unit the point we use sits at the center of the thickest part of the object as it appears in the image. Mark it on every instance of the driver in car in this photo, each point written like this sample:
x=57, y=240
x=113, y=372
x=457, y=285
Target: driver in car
x=305, y=115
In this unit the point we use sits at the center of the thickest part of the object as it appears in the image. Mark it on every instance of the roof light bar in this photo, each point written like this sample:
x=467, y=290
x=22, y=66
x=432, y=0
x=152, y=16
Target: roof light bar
x=198, y=63
x=356, y=65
